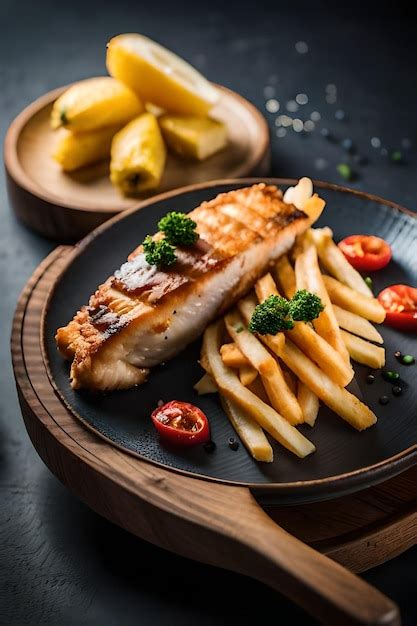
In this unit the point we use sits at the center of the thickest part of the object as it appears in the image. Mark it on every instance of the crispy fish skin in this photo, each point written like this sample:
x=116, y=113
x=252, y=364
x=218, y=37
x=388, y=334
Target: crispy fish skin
x=142, y=316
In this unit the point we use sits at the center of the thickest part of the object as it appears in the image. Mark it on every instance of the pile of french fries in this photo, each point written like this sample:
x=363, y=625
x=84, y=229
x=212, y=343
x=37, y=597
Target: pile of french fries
x=273, y=383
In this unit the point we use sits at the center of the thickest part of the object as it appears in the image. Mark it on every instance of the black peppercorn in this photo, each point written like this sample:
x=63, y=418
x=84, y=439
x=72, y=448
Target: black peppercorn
x=397, y=391
x=233, y=444
x=209, y=447
x=370, y=379
x=383, y=400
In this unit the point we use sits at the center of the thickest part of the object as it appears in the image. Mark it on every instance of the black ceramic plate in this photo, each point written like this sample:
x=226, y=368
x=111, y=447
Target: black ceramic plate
x=345, y=459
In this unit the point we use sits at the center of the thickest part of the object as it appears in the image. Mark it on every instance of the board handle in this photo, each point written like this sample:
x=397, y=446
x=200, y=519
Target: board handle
x=324, y=588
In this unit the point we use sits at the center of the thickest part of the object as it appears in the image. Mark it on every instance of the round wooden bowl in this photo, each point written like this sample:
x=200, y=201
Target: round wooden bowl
x=66, y=206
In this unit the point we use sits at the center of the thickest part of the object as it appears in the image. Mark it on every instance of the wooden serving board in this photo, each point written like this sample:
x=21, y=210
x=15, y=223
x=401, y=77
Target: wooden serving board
x=67, y=206
x=211, y=522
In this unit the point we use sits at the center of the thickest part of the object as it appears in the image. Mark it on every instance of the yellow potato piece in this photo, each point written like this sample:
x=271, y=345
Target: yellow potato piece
x=73, y=151
x=138, y=156
x=193, y=137
x=95, y=103
x=159, y=76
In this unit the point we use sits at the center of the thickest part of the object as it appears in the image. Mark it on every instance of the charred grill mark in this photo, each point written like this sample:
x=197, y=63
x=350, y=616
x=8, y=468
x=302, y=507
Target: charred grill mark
x=95, y=312
x=225, y=232
x=285, y=218
x=103, y=319
x=245, y=217
x=169, y=283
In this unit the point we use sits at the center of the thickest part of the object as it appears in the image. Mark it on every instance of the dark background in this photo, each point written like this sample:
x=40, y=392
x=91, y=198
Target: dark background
x=59, y=562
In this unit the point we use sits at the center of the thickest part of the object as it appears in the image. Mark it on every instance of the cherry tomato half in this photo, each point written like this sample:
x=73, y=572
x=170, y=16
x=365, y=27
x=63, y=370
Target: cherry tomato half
x=400, y=303
x=181, y=423
x=366, y=252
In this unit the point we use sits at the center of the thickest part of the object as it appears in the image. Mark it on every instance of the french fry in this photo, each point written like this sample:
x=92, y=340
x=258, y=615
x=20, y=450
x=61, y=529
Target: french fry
x=205, y=385
x=259, y=390
x=230, y=386
x=291, y=380
x=338, y=399
x=356, y=325
x=313, y=207
x=364, y=352
x=249, y=431
x=301, y=243
x=322, y=353
x=247, y=374
x=285, y=275
x=280, y=396
x=232, y=356
x=308, y=402
x=310, y=342
x=351, y=300
x=336, y=263
x=307, y=273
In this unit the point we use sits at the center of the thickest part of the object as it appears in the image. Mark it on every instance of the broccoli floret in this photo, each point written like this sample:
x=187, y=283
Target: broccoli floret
x=305, y=306
x=271, y=316
x=276, y=313
x=179, y=229
x=159, y=253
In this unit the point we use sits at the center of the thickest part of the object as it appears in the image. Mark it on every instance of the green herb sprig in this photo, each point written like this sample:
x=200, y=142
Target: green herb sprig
x=178, y=229
x=160, y=253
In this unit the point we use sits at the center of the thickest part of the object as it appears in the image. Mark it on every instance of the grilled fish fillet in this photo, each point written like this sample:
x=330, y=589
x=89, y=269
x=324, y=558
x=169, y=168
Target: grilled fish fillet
x=142, y=316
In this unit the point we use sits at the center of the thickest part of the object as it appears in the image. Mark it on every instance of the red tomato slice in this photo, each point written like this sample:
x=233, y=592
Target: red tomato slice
x=366, y=253
x=181, y=423
x=400, y=303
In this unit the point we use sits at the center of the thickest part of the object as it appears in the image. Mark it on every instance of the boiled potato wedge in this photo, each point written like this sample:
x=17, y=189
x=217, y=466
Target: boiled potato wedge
x=159, y=76
x=192, y=137
x=95, y=103
x=75, y=150
x=138, y=156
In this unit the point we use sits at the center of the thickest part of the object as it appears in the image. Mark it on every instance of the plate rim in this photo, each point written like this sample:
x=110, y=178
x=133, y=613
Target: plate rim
x=18, y=174
x=313, y=490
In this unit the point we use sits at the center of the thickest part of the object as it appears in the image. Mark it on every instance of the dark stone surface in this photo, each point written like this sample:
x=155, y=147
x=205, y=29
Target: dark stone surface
x=59, y=562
